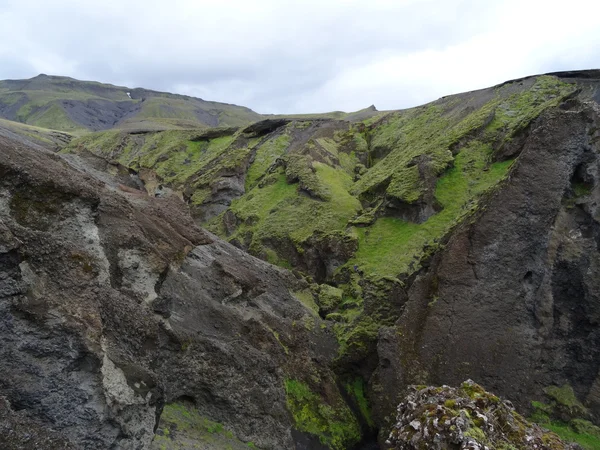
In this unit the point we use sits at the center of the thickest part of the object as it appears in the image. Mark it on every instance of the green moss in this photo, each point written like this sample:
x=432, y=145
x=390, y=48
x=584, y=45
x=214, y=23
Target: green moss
x=392, y=246
x=565, y=399
x=357, y=333
x=475, y=391
x=278, y=339
x=476, y=433
x=581, y=189
x=450, y=403
x=567, y=433
x=182, y=159
x=307, y=298
x=334, y=425
x=265, y=157
x=357, y=389
x=277, y=212
x=583, y=426
x=181, y=423
x=516, y=112
x=406, y=184
x=329, y=298
x=299, y=169
x=563, y=404
x=53, y=117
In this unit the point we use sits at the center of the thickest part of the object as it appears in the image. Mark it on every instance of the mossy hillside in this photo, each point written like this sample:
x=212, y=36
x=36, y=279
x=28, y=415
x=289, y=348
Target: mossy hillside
x=188, y=109
x=266, y=155
x=166, y=108
x=182, y=159
x=182, y=427
x=564, y=402
x=433, y=131
x=516, y=112
x=54, y=117
x=570, y=432
x=43, y=107
x=279, y=211
x=404, y=136
x=332, y=422
x=393, y=246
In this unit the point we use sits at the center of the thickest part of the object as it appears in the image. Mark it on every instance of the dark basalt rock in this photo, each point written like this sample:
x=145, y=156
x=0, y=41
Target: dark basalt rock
x=113, y=303
x=512, y=299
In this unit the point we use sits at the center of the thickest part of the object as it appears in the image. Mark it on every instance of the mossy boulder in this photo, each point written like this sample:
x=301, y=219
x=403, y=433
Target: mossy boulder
x=467, y=417
x=329, y=298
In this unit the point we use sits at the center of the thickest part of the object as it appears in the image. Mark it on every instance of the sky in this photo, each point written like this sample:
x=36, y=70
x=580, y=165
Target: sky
x=303, y=56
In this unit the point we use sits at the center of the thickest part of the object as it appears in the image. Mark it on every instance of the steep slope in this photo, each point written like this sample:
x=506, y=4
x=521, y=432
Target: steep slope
x=450, y=241
x=71, y=105
x=121, y=317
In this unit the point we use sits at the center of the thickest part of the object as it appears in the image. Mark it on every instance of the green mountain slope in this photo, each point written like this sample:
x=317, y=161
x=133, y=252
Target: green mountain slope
x=358, y=206
x=71, y=105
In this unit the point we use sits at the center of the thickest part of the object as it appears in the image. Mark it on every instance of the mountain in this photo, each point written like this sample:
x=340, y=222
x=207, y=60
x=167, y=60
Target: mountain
x=75, y=106
x=282, y=284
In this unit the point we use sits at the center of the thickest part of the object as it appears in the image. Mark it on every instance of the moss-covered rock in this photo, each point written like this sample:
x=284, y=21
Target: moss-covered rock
x=332, y=422
x=466, y=417
x=329, y=298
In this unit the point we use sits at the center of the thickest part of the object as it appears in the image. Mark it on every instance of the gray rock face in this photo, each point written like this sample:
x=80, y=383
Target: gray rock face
x=113, y=303
x=513, y=300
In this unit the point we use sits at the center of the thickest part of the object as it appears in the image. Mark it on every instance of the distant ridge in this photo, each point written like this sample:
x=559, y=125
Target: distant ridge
x=75, y=106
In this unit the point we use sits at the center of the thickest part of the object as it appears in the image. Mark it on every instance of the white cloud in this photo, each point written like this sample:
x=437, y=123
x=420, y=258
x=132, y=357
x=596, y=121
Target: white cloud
x=291, y=56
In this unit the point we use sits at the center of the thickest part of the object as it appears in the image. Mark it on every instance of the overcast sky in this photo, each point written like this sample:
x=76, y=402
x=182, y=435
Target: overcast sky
x=278, y=56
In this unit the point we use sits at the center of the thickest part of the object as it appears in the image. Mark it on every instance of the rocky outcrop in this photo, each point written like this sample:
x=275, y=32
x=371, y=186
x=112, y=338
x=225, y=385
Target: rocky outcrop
x=114, y=303
x=467, y=417
x=512, y=299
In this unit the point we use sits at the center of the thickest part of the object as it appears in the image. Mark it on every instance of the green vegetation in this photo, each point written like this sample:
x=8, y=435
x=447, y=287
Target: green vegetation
x=181, y=427
x=441, y=412
x=357, y=389
x=566, y=416
x=564, y=399
x=456, y=147
x=265, y=157
x=334, y=425
x=181, y=159
x=276, y=211
x=443, y=155
x=329, y=298
x=392, y=246
x=307, y=299
x=569, y=433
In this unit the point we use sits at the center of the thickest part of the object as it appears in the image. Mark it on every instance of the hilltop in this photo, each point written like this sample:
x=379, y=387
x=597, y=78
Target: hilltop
x=75, y=106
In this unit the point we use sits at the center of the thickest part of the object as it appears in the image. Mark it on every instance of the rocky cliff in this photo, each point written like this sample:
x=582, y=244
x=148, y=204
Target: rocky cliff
x=426, y=246
x=115, y=306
